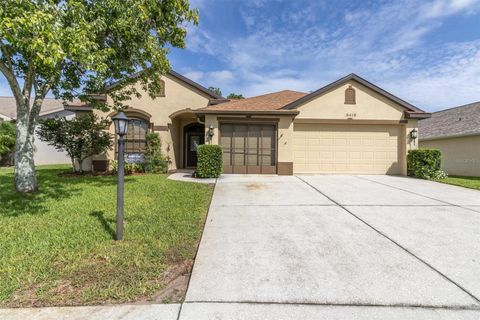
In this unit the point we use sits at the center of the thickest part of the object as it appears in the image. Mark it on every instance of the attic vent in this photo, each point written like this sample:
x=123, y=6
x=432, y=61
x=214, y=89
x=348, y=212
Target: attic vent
x=161, y=91
x=350, y=95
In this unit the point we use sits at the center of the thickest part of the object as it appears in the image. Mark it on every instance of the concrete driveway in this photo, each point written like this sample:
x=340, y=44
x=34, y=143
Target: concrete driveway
x=337, y=247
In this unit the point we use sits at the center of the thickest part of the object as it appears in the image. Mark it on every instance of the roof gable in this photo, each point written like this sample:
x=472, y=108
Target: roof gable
x=179, y=77
x=411, y=110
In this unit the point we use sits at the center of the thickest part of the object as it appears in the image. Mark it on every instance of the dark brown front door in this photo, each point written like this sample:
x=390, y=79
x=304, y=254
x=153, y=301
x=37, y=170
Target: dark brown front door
x=248, y=148
x=194, y=136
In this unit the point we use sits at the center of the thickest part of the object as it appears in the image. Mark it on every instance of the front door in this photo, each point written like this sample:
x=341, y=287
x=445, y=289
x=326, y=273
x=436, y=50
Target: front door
x=194, y=139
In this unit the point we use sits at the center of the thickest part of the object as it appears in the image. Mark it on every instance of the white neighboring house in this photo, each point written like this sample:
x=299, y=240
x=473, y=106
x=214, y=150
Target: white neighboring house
x=51, y=108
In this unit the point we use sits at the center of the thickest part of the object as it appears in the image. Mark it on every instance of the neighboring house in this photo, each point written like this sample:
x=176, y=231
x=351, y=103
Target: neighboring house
x=44, y=154
x=348, y=126
x=456, y=133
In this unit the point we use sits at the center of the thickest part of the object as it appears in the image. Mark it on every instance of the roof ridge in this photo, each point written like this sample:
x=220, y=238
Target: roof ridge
x=275, y=92
x=458, y=107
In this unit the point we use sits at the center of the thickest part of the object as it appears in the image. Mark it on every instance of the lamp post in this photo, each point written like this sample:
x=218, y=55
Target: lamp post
x=121, y=126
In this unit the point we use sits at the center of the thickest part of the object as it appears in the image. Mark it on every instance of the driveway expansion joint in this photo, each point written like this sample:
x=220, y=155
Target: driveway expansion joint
x=332, y=304
x=393, y=241
x=421, y=195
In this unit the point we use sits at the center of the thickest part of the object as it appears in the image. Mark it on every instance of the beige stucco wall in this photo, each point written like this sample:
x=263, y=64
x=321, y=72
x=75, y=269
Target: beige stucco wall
x=460, y=156
x=369, y=105
x=178, y=96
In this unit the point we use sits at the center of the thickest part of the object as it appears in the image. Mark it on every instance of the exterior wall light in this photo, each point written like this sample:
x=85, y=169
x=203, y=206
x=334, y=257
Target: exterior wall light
x=120, y=121
x=210, y=131
x=414, y=134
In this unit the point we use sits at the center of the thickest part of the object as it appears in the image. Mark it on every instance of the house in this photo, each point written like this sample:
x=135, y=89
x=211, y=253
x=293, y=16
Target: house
x=43, y=154
x=456, y=133
x=348, y=126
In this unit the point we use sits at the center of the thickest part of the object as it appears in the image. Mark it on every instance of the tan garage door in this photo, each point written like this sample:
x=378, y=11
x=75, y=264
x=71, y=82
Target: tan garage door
x=329, y=148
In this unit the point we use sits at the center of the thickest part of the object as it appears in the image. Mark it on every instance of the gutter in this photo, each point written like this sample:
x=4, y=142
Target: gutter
x=417, y=115
x=248, y=112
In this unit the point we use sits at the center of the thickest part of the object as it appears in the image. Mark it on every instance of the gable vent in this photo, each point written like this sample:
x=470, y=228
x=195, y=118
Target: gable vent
x=350, y=95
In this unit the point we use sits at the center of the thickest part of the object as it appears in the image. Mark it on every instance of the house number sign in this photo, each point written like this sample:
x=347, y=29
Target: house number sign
x=351, y=115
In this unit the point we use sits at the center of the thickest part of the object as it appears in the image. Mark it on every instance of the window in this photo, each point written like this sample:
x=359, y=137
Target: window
x=350, y=95
x=136, y=136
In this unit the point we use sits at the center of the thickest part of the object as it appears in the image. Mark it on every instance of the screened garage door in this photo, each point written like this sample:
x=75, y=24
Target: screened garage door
x=248, y=148
x=330, y=148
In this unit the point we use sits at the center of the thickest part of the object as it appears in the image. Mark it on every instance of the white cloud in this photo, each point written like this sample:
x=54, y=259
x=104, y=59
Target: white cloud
x=195, y=75
x=442, y=8
x=386, y=44
x=223, y=76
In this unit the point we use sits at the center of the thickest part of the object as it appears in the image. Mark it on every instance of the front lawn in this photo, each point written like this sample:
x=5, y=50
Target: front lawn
x=467, y=182
x=57, y=248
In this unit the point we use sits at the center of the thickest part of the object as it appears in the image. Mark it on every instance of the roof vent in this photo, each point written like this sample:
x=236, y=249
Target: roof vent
x=350, y=95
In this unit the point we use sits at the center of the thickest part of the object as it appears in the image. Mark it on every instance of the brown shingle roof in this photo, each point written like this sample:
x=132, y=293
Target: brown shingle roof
x=267, y=102
x=458, y=121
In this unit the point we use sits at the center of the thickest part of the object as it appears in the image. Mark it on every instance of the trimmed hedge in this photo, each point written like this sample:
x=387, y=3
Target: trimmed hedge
x=209, y=161
x=424, y=163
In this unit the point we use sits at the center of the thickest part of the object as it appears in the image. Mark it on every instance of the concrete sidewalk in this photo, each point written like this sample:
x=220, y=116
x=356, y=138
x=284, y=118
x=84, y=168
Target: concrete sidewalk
x=117, y=312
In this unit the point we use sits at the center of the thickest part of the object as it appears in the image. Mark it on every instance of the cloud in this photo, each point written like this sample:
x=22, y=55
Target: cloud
x=387, y=43
x=442, y=8
x=223, y=76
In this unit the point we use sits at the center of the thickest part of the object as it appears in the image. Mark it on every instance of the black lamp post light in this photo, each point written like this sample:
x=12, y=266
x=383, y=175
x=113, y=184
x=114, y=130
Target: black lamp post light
x=120, y=121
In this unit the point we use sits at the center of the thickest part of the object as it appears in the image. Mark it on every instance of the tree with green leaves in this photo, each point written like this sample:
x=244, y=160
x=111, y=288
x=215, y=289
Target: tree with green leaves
x=7, y=141
x=215, y=90
x=76, y=49
x=235, y=96
x=82, y=137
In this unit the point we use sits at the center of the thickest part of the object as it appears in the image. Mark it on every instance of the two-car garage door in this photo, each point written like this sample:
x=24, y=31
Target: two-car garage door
x=339, y=148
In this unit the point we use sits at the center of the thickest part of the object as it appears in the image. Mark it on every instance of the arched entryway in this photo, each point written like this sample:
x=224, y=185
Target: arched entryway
x=194, y=135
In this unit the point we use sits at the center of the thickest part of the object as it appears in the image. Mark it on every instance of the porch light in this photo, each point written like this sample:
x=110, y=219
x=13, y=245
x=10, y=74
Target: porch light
x=121, y=126
x=414, y=134
x=210, y=130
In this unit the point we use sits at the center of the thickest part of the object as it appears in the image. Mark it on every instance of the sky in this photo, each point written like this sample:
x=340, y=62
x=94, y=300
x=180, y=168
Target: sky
x=426, y=52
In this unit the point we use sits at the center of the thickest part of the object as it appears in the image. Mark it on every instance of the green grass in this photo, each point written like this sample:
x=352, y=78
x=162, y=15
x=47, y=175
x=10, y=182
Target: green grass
x=57, y=245
x=467, y=182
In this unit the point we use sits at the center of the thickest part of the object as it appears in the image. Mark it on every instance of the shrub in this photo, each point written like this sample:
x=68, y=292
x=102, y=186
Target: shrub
x=81, y=137
x=133, y=168
x=209, y=163
x=425, y=164
x=128, y=168
x=7, y=141
x=155, y=162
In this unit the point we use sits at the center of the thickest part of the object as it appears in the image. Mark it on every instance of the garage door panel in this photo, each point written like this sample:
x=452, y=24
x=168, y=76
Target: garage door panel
x=324, y=148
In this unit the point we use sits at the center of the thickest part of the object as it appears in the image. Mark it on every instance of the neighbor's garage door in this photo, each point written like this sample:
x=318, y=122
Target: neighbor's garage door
x=329, y=148
x=248, y=148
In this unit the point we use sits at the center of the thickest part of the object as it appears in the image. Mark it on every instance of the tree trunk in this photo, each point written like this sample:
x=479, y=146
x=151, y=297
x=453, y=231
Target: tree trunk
x=25, y=179
x=73, y=164
x=80, y=165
